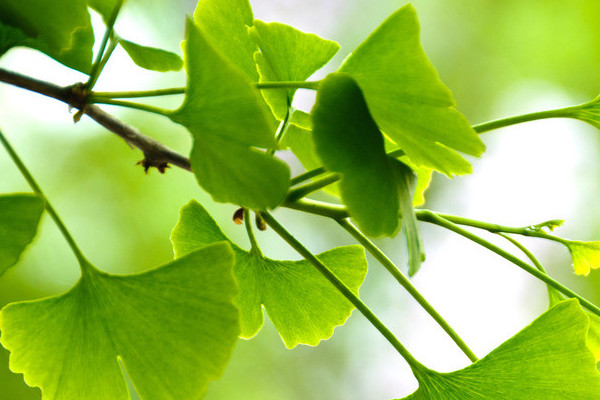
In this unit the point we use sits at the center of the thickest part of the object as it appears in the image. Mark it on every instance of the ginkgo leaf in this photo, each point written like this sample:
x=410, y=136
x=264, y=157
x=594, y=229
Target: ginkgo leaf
x=173, y=329
x=348, y=141
x=547, y=360
x=407, y=181
x=60, y=28
x=300, y=142
x=585, y=255
x=225, y=23
x=152, y=58
x=407, y=99
x=19, y=218
x=301, y=303
x=228, y=121
x=12, y=37
x=287, y=54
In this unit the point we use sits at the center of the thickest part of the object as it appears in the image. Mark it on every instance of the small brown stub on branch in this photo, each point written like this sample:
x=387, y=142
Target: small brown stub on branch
x=148, y=163
x=260, y=223
x=238, y=216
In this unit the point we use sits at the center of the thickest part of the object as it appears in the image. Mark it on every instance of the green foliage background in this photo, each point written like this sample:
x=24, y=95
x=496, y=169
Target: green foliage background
x=483, y=51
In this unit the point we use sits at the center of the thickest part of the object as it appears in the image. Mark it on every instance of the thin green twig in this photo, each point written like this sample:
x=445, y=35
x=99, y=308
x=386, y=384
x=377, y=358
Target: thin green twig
x=255, y=248
x=519, y=119
x=132, y=105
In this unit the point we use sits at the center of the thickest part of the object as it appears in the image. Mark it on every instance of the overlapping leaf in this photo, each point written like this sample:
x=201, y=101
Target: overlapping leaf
x=225, y=23
x=19, y=218
x=228, y=120
x=173, y=329
x=348, y=141
x=407, y=99
x=301, y=303
x=59, y=28
x=287, y=54
x=547, y=360
x=151, y=57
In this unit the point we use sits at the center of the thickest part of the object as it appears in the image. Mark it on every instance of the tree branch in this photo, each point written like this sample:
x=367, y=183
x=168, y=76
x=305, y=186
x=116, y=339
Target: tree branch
x=155, y=153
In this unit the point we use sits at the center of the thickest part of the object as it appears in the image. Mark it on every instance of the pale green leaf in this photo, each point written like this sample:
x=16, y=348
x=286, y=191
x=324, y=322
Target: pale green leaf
x=59, y=28
x=287, y=54
x=300, y=142
x=173, y=329
x=407, y=99
x=407, y=182
x=301, y=303
x=547, y=360
x=225, y=23
x=152, y=58
x=585, y=255
x=348, y=141
x=301, y=119
x=104, y=7
x=228, y=121
x=19, y=218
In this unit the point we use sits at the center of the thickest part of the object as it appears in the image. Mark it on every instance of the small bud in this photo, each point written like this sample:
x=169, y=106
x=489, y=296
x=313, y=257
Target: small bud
x=238, y=216
x=260, y=223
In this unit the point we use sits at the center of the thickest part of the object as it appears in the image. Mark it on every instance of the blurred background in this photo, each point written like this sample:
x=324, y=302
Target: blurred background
x=498, y=58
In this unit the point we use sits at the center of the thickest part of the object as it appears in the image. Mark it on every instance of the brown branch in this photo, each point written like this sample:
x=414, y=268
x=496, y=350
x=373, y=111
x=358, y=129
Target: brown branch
x=155, y=153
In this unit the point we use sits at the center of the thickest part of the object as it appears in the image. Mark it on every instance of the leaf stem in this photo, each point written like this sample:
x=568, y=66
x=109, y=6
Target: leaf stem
x=253, y=242
x=525, y=251
x=310, y=187
x=307, y=175
x=129, y=104
x=436, y=219
x=406, y=284
x=84, y=264
x=103, y=55
x=283, y=127
x=518, y=119
x=416, y=366
x=135, y=94
x=321, y=208
x=313, y=85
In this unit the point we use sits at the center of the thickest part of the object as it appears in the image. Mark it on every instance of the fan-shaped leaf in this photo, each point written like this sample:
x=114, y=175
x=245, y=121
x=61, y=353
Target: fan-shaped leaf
x=407, y=99
x=173, y=329
x=547, y=360
x=348, y=141
x=151, y=57
x=19, y=218
x=585, y=255
x=287, y=54
x=303, y=306
x=228, y=119
x=59, y=28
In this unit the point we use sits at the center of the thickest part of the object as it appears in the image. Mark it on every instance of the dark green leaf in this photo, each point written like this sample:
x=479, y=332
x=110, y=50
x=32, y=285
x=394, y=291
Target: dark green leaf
x=173, y=329
x=152, y=58
x=19, y=218
x=287, y=54
x=407, y=99
x=12, y=37
x=547, y=360
x=59, y=28
x=301, y=303
x=228, y=120
x=348, y=141
x=225, y=23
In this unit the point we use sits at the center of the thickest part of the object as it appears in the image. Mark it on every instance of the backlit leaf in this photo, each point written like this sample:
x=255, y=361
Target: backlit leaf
x=348, y=141
x=225, y=23
x=301, y=303
x=407, y=99
x=287, y=54
x=585, y=255
x=19, y=218
x=547, y=360
x=59, y=28
x=152, y=58
x=173, y=329
x=228, y=121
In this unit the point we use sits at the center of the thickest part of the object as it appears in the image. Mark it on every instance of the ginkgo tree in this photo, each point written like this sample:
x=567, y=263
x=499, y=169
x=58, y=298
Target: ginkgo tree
x=381, y=125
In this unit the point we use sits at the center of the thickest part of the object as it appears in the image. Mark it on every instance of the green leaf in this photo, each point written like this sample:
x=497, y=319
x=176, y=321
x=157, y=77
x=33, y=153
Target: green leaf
x=152, y=58
x=588, y=112
x=301, y=119
x=547, y=360
x=301, y=303
x=173, y=329
x=407, y=182
x=300, y=142
x=228, y=121
x=407, y=99
x=104, y=7
x=585, y=255
x=59, y=28
x=12, y=37
x=348, y=142
x=287, y=54
x=225, y=23
x=19, y=218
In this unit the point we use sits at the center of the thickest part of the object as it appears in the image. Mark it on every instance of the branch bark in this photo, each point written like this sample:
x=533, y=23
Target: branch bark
x=156, y=154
